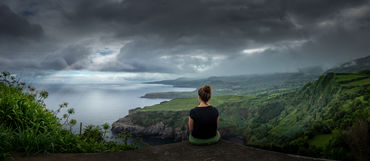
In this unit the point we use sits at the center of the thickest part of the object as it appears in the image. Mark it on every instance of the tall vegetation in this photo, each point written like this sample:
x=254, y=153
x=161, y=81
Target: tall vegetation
x=27, y=126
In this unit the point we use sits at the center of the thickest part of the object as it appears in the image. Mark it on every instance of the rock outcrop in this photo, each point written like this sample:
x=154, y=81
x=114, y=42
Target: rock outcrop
x=131, y=124
x=158, y=130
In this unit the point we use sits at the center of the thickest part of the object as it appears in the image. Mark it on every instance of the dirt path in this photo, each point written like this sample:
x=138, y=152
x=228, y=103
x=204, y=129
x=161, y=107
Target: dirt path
x=182, y=151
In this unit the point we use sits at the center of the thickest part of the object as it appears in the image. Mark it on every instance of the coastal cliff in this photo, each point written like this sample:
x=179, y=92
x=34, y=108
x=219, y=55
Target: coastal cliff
x=168, y=120
x=306, y=121
x=157, y=130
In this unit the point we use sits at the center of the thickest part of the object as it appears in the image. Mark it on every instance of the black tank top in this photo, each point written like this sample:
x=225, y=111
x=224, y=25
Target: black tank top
x=205, y=122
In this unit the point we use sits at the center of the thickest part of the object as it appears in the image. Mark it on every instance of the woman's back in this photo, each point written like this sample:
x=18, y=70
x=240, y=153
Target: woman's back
x=205, y=122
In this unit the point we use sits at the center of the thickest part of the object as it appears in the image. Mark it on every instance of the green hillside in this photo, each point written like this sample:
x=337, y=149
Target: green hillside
x=26, y=126
x=352, y=66
x=317, y=120
x=265, y=84
x=239, y=85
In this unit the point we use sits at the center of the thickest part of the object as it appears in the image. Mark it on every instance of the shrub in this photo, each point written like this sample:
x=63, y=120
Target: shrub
x=6, y=139
x=358, y=140
x=27, y=126
x=93, y=133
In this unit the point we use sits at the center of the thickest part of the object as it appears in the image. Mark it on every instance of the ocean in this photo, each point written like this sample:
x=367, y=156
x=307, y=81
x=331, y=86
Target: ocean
x=97, y=104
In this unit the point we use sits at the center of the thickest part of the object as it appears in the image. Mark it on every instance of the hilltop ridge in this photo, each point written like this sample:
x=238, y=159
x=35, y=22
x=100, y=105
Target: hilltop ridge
x=352, y=66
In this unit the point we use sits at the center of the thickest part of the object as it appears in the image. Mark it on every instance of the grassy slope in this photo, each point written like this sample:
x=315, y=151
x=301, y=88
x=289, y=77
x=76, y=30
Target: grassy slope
x=320, y=140
x=185, y=104
x=26, y=126
x=334, y=101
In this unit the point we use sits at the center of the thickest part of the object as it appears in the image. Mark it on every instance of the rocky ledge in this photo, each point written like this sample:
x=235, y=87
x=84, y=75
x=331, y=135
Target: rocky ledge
x=182, y=151
x=134, y=123
x=158, y=130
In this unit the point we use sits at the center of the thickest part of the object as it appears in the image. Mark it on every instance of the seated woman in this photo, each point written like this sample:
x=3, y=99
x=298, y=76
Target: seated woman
x=203, y=120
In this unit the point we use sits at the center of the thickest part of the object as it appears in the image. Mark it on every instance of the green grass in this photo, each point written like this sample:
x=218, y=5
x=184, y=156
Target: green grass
x=348, y=77
x=320, y=140
x=170, y=94
x=352, y=79
x=185, y=104
x=359, y=82
x=286, y=124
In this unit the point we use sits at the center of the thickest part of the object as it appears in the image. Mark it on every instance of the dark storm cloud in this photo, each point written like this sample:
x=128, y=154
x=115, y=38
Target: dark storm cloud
x=190, y=36
x=13, y=26
x=70, y=57
x=17, y=35
x=174, y=19
x=194, y=22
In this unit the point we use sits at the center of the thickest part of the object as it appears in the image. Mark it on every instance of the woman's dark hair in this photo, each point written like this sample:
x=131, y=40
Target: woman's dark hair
x=205, y=93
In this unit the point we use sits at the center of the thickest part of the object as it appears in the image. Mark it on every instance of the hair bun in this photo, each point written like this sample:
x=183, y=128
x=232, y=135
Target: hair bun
x=205, y=93
x=207, y=88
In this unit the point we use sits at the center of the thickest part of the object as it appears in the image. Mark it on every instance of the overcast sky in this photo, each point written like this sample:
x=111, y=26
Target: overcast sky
x=171, y=38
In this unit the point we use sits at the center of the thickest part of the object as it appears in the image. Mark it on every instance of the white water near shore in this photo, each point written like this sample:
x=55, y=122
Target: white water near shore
x=102, y=103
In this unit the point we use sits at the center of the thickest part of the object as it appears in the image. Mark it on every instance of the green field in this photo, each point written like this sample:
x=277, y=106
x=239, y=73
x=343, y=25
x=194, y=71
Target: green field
x=181, y=104
x=348, y=77
x=320, y=140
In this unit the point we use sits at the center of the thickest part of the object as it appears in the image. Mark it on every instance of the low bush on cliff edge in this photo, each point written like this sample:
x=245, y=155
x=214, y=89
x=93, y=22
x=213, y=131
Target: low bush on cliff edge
x=27, y=126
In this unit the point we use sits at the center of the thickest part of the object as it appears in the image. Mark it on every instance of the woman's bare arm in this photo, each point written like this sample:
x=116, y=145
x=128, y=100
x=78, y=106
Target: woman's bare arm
x=191, y=124
x=218, y=120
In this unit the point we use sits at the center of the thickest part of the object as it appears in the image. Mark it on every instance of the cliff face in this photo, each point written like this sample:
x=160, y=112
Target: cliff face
x=157, y=130
x=169, y=125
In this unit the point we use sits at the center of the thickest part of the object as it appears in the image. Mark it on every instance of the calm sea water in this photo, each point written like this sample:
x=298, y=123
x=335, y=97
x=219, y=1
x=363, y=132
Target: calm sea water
x=102, y=103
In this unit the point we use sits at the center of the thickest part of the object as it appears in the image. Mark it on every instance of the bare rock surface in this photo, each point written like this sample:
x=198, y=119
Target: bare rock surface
x=182, y=151
x=158, y=130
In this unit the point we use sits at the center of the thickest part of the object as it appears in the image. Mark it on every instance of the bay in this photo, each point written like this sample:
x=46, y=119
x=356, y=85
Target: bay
x=97, y=104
